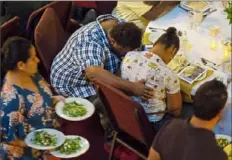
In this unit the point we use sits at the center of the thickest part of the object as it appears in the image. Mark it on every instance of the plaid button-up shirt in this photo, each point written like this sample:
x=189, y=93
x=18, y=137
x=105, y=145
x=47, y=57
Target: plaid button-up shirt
x=88, y=46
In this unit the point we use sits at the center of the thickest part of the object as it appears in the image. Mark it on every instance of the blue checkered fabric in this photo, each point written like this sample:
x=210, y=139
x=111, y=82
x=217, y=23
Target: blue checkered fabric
x=88, y=46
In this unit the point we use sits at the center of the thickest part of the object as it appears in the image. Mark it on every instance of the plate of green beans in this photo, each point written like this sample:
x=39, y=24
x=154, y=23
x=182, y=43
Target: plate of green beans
x=74, y=146
x=75, y=109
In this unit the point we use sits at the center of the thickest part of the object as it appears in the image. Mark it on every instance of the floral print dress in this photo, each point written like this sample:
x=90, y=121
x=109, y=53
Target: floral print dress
x=23, y=111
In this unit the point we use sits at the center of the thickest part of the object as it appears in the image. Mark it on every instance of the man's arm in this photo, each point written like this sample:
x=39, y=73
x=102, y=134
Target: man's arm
x=93, y=63
x=153, y=155
x=160, y=10
x=138, y=89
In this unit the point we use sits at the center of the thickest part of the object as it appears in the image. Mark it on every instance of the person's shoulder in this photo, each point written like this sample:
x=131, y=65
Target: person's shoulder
x=133, y=53
x=177, y=122
x=169, y=72
x=8, y=91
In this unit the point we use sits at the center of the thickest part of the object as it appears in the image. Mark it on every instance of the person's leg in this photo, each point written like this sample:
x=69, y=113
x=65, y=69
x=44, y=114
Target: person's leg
x=157, y=125
x=77, y=13
x=90, y=16
x=99, y=106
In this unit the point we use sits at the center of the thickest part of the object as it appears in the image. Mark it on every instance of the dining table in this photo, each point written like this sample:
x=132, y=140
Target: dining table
x=200, y=41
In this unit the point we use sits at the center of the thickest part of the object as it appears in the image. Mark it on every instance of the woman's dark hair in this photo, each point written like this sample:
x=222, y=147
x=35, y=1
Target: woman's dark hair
x=14, y=50
x=210, y=99
x=127, y=35
x=169, y=39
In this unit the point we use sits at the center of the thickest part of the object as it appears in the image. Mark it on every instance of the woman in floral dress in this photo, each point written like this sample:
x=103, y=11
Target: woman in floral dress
x=26, y=100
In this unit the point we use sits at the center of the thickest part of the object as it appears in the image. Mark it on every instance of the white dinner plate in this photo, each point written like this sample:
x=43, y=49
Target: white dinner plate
x=87, y=104
x=84, y=148
x=59, y=135
x=201, y=77
x=223, y=136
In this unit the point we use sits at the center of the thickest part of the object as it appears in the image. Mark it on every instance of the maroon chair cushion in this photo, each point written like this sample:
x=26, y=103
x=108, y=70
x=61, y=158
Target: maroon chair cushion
x=49, y=38
x=85, y=4
x=9, y=29
x=62, y=9
x=105, y=7
x=124, y=110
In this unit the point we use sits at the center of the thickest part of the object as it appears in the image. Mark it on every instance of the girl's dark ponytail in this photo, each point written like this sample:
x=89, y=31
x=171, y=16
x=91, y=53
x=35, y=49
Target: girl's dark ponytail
x=170, y=38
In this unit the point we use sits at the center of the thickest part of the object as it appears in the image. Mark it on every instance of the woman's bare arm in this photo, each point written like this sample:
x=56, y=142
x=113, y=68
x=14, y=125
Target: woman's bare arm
x=174, y=103
x=160, y=10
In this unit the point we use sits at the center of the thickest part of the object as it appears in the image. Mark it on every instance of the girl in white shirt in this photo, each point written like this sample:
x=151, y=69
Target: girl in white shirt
x=152, y=67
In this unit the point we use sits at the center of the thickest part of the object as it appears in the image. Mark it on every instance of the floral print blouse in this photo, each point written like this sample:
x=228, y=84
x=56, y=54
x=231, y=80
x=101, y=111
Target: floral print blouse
x=148, y=66
x=23, y=111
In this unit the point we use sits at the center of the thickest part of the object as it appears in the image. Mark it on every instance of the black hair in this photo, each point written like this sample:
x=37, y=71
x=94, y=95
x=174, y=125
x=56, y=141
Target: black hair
x=127, y=35
x=210, y=99
x=14, y=50
x=169, y=39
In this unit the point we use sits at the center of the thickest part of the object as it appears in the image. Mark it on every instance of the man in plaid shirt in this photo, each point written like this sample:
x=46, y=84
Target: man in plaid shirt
x=94, y=51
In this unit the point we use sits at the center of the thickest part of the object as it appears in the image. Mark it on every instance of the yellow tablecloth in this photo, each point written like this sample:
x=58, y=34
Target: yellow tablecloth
x=145, y=40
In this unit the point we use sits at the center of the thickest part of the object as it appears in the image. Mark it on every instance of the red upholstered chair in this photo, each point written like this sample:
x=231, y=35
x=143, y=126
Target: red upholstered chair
x=85, y=4
x=50, y=38
x=102, y=7
x=62, y=9
x=128, y=117
x=9, y=29
x=105, y=7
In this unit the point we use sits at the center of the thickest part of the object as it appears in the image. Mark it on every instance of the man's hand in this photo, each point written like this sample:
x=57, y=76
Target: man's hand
x=136, y=88
x=142, y=91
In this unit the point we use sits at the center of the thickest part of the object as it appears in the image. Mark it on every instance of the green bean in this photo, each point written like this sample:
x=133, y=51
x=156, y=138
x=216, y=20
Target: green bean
x=70, y=146
x=44, y=139
x=222, y=142
x=74, y=109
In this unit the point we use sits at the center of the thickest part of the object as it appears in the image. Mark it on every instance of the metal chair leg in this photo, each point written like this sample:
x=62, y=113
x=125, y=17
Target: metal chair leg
x=113, y=145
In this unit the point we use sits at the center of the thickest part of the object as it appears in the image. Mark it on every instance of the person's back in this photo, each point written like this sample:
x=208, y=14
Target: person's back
x=94, y=48
x=151, y=66
x=179, y=140
x=68, y=65
x=194, y=139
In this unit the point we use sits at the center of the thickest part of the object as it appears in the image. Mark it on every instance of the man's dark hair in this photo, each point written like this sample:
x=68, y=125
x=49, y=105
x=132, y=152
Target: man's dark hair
x=210, y=99
x=127, y=35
